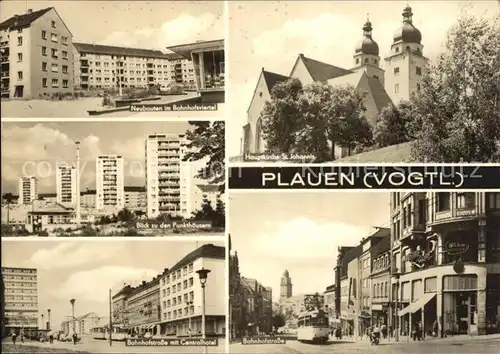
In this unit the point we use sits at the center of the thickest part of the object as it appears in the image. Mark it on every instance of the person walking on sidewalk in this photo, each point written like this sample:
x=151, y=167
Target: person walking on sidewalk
x=51, y=337
x=14, y=337
x=75, y=338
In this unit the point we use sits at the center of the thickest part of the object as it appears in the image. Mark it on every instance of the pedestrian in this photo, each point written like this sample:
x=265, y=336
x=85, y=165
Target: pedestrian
x=435, y=328
x=51, y=337
x=22, y=336
x=75, y=338
x=391, y=332
x=383, y=330
x=14, y=337
x=420, y=331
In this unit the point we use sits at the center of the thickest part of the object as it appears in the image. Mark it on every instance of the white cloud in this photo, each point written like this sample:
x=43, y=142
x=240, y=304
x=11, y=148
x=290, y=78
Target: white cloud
x=70, y=254
x=93, y=285
x=183, y=29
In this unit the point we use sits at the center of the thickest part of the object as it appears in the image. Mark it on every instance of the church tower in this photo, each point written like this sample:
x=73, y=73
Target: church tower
x=286, y=286
x=366, y=55
x=406, y=63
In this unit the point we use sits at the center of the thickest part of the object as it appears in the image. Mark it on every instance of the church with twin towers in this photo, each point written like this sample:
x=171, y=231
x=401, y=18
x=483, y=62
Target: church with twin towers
x=399, y=79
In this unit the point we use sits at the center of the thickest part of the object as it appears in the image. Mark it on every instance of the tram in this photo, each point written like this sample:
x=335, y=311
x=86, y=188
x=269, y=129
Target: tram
x=313, y=327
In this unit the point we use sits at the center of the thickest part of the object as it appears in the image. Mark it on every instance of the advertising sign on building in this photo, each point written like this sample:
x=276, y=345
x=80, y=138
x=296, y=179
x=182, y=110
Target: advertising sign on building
x=454, y=248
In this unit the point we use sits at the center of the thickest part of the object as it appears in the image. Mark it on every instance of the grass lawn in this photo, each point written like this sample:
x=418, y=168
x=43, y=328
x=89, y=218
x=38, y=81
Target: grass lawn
x=18, y=348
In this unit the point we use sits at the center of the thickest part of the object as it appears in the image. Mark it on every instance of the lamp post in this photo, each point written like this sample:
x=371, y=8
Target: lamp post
x=42, y=321
x=77, y=196
x=48, y=319
x=395, y=276
x=203, y=275
x=189, y=303
x=72, y=301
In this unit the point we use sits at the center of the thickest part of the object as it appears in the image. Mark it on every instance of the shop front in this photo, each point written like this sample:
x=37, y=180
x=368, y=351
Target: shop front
x=493, y=304
x=380, y=314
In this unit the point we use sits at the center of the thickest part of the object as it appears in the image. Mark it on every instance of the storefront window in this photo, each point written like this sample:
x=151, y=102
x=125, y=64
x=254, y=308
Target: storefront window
x=442, y=201
x=493, y=246
x=460, y=245
x=493, y=201
x=466, y=200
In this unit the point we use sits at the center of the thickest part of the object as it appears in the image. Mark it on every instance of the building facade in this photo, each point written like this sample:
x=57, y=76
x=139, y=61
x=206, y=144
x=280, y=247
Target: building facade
x=20, y=300
x=110, y=182
x=135, y=197
x=28, y=190
x=109, y=67
x=36, y=55
x=329, y=296
x=84, y=324
x=66, y=185
x=181, y=294
x=445, y=250
x=143, y=308
x=258, y=311
x=286, y=286
x=88, y=198
x=164, y=169
x=380, y=281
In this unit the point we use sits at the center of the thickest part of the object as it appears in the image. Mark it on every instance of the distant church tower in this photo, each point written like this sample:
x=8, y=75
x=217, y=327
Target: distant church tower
x=366, y=55
x=286, y=286
x=406, y=63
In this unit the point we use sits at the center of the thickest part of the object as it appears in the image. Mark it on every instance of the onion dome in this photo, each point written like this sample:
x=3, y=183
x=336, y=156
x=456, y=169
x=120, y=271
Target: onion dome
x=367, y=45
x=286, y=274
x=408, y=33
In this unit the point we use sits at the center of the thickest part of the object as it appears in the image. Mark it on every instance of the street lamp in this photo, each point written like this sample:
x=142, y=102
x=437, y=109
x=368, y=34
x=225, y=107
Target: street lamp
x=189, y=303
x=72, y=301
x=48, y=319
x=42, y=321
x=395, y=275
x=203, y=275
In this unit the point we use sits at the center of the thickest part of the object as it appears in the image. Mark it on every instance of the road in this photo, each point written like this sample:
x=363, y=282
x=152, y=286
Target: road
x=475, y=346
x=102, y=346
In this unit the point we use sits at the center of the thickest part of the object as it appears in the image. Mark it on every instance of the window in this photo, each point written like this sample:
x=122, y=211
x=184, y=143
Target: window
x=64, y=54
x=418, y=87
x=19, y=57
x=54, y=68
x=53, y=24
x=366, y=60
x=64, y=40
x=44, y=66
x=54, y=53
x=44, y=51
x=466, y=200
x=396, y=71
x=397, y=49
x=53, y=37
x=44, y=34
x=407, y=48
x=443, y=201
x=19, y=40
x=65, y=83
x=396, y=88
x=357, y=60
x=419, y=71
x=65, y=71
x=19, y=75
x=493, y=201
x=55, y=83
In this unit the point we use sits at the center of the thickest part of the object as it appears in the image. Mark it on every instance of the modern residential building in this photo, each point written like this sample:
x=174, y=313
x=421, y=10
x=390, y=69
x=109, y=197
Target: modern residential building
x=88, y=198
x=181, y=294
x=446, y=256
x=209, y=67
x=401, y=79
x=135, y=197
x=28, y=190
x=286, y=286
x=109, y=67
x=202, y=191
x=365, y=295
x=21, y=300
x=110, y=182
x=167, y=175
x=36, y=55
x=66, y=185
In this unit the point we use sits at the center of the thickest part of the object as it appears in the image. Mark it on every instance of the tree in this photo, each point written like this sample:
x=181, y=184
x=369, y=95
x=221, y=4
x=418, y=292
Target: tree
x=126, y=216
x=207, y=142
x=220, y=214
x=458, y=108
x=207, y=212
x=281, y=116
x=278, y=320
x=313, y=302
x=8, y=198
x=395, y=125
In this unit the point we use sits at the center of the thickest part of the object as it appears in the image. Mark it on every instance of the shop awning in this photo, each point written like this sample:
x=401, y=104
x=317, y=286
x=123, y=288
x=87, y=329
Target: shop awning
x=417, y=305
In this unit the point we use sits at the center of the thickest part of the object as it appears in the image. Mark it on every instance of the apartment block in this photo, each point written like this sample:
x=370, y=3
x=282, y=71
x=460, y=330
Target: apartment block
x=66, y=185
x=36, y=55
x=135, y=197
x=167, y=176
x=21, y=300
x=110, y=182
x=108, y=67
x=28, y=190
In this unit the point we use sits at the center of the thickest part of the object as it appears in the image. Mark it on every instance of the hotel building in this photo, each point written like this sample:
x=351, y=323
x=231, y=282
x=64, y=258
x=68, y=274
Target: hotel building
x=107, y=67
x=110, y=182
x=66, y=185
x=21, y=300
x=28, y=190
x=209, y=67
x=446, y=261
x=181, y=294
x=167, y=176
x=36, y=55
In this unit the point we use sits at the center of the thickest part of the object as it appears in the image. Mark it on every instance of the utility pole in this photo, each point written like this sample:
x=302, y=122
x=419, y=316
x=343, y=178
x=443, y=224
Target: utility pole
x=110, y=321
x=78, y=216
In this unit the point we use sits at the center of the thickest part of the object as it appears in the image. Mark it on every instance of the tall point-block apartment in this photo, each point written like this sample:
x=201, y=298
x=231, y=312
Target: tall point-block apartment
x=209, y=66
x=36, y=55
x=107, y=67
x=28, y=190
x=110, y=194
x=404, y=69
x=66, y=185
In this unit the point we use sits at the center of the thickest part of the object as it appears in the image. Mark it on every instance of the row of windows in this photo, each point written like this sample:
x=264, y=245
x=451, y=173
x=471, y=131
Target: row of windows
x=19, y=277
x=418, y=71
x=54, y=38
x=366, y=263
x=26, y=298
x=177, y=275
x=20, y=284
x=178, y=300
x=55, y=83
x=381, y=290
x=54, y=53
x=55, y=68
x=381, y=263
x=20, y=304
x=178, y=313
x=16, y=270
x=20, y=291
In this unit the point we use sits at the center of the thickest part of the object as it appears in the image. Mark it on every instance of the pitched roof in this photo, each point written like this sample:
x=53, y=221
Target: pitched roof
x=352, y=79
x=400, y=153
x=320, y=71
x=379, y=93
x=113, y=50
x=186, y=49
x=384, y=245
x=24, y=20
x=273, y=78
x=205, y=251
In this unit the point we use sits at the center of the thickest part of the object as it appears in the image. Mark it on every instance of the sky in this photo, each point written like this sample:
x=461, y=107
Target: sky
x=139, y=24
x=324, y=30
x=37, y=148
x=300, y=232
x=86, y=271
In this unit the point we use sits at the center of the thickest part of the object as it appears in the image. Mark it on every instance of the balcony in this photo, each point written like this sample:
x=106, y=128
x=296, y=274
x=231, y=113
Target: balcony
x=4, y=74
x=4, y=59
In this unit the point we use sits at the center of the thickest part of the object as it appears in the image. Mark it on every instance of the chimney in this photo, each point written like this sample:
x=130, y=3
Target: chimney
x=30, y=11
x=165, y=270
x=143, y=282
